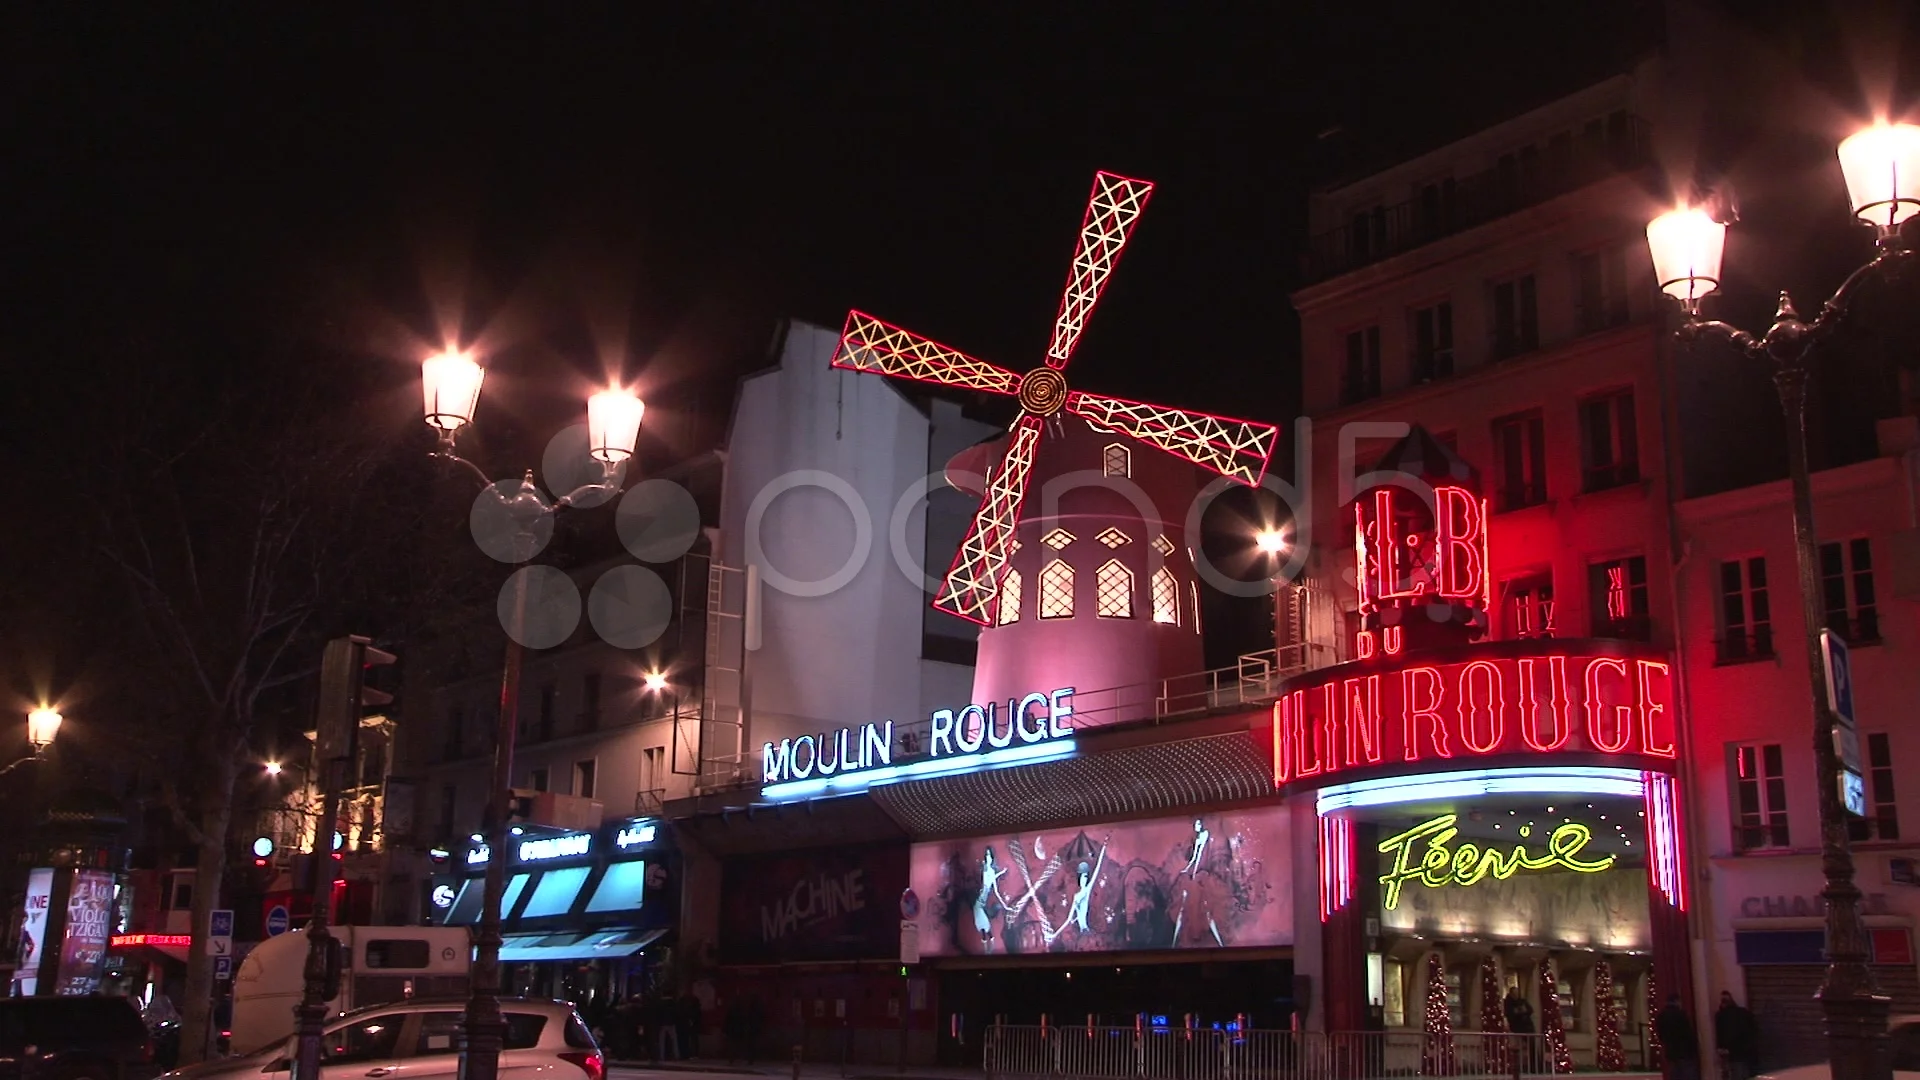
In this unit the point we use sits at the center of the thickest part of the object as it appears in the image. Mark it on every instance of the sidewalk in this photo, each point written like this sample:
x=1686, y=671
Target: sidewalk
x=808, y=1071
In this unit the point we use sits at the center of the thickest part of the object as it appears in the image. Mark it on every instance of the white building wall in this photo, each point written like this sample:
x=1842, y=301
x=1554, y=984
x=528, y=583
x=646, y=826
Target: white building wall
x=827, y=476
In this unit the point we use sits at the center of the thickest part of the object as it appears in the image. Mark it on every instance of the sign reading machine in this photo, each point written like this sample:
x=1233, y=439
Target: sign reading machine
x=1035, y=727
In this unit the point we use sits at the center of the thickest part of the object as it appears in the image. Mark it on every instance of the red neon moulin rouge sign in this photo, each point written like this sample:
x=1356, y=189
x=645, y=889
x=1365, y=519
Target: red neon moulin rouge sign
x=1449, y=707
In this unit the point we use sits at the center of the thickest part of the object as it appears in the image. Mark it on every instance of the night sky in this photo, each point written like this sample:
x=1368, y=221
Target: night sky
x=197, y=198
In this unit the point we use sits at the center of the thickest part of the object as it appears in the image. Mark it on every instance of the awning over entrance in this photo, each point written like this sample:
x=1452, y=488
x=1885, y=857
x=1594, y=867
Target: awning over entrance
x=599, y=945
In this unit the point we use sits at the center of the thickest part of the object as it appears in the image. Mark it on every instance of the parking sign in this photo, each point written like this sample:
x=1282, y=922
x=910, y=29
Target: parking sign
x=223, y=968
x=1839, y=671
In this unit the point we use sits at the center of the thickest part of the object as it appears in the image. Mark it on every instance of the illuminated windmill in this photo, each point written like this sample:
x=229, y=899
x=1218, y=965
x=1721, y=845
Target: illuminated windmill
x=1237, y=449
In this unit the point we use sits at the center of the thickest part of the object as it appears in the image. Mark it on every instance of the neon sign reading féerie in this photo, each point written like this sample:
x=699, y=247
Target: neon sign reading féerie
x=972, y=730
x=1449, y=707
x=1436, y=865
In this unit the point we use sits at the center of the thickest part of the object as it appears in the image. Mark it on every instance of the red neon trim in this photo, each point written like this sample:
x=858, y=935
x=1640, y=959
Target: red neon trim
x=1470, y=709
x=1362, y=721
x=1393, y=639
x=1430, y=712
x=1096, y=255
x=1652, y=712
x=120, y=941
x=1363, y=645
x=1283, y=738
x=1597, y=708
x=1362, y=568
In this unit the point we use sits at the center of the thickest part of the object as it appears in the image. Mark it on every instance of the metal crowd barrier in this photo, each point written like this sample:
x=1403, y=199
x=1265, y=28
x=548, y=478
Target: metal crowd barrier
x=1091, y=1052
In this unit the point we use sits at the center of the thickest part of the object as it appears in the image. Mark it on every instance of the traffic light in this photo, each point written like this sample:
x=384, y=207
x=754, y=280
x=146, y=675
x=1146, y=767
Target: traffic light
x=343, y=693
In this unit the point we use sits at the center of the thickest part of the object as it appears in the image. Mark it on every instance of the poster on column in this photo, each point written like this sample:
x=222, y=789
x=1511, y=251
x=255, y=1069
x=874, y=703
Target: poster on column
x=33, y=932
x=83, y=954
x=1212, y=881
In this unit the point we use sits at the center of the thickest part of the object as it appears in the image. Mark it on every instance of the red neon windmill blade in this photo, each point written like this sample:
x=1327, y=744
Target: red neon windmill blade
x=1238, y=449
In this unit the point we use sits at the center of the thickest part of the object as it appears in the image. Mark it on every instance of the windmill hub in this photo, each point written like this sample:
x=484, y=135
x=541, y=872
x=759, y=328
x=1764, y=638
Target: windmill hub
x=1043, y=391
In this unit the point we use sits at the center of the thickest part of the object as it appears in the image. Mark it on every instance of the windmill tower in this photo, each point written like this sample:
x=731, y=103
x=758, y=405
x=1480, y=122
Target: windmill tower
x=1091, y=584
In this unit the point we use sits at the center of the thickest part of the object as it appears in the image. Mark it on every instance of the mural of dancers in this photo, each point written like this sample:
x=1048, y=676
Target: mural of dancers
x=1170, y=883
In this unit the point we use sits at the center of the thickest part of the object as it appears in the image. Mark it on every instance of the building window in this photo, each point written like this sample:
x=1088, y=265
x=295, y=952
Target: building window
x=590, y=701
x=653, y=772
x=548, y=694
x=1760, y=797
x=448, y=795
x=1166, y=597
x=1601, y=281
x=538, y=780
x=456, y=732
x=1009, y=601
x=1111, y=537
x=1846, y=577
x=1529, y=606
x=1433, y=342
x=1516, y=318
x=1056, y=590
x=1619, y=599
x=1113, y=591
x=1746, y=619
x=1057, y=538
x=1611, y=441
x=182, y=894
x=584, y=777
x=1883, y=818
x=1520, y=448
x=1367, y=237
x=1360, y=379
x=1163, y=545
x=1115, y=460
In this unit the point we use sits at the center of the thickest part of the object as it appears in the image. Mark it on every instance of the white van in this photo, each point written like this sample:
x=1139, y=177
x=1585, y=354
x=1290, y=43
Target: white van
x=380, y=964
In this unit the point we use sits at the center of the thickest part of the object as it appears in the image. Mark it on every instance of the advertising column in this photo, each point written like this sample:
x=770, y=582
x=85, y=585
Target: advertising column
x=33, y=933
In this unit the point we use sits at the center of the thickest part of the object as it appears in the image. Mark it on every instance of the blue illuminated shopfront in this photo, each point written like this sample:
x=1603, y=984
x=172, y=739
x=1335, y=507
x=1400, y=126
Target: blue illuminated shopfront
x=584, y=914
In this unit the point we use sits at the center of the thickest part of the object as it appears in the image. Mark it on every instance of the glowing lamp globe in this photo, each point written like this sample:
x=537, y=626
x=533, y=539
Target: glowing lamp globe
x=42, y=726
x=451, y=382
x=613, y=424
x=654, y=682
x=1686, y=246
x=1882, y=167
x=1270, y=541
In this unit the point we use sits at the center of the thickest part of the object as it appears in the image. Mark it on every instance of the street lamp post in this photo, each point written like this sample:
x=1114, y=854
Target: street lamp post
x=43, y=726
x=451, y=382
x=1882, y=169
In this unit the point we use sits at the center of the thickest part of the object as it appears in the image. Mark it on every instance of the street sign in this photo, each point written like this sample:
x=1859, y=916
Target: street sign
x=1853, y=793
x=279, y=920
x=1839, y=670
x=223, y=968
x=220, y=940
x=1846, y=744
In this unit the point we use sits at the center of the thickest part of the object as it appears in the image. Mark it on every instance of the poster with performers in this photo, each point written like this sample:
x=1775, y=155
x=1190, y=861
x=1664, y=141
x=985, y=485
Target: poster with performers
x=83, y=954
x=1212, y=881
x=33, y=933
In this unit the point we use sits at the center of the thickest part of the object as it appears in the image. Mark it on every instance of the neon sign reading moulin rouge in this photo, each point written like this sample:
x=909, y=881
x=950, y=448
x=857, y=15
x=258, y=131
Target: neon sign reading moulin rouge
x=1467, y=864
x=971, y=730
x=1542, y=699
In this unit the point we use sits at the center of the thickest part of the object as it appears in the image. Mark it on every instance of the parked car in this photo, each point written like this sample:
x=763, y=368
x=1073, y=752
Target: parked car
x=419, y=1039
x=1903, y=1043
x=73, y=1038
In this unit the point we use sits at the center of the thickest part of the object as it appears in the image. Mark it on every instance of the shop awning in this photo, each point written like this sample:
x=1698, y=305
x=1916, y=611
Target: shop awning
x=604, y=944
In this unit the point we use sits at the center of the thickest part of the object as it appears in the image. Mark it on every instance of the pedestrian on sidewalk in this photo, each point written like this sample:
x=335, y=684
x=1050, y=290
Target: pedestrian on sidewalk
x=688, y=1015
x=1679, y=1040
x=1736, y=1032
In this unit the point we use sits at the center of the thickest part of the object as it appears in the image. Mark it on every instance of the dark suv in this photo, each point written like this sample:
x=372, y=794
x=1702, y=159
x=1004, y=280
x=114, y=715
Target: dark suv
x=73, y=1038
